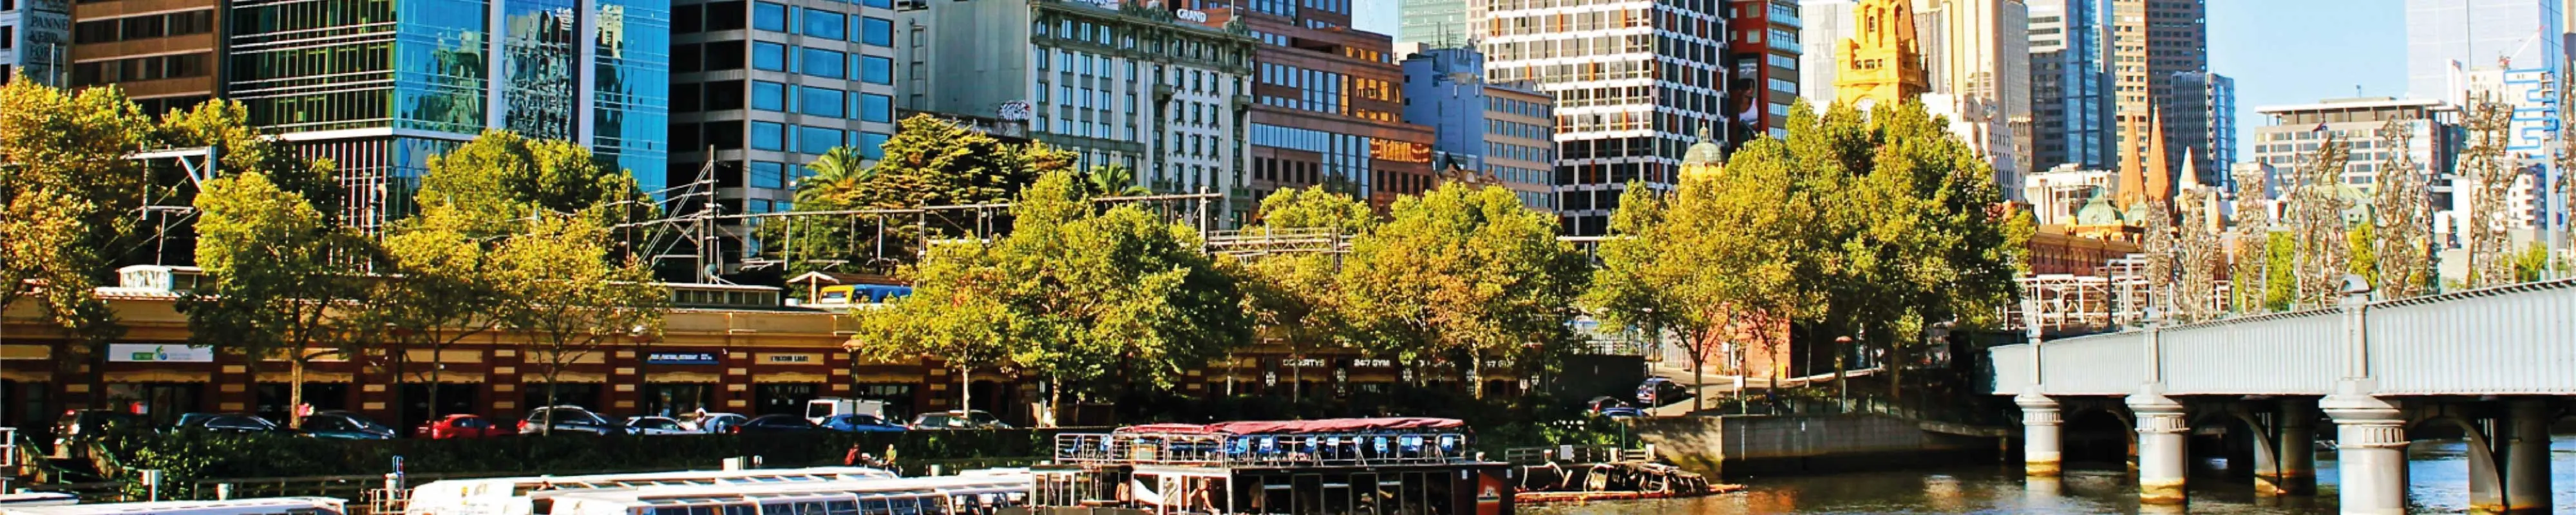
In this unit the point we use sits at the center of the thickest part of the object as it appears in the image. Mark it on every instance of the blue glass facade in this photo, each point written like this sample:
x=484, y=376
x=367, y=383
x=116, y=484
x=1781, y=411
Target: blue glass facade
x=631, y=88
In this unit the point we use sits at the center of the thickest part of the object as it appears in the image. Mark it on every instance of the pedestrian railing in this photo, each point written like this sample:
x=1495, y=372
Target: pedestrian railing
x=1228, y=450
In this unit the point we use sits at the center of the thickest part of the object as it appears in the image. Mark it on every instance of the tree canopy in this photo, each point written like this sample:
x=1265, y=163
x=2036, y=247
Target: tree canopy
x=1462, y=274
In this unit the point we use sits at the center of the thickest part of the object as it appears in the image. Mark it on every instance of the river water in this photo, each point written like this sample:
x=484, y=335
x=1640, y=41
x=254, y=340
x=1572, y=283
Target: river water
x=2439, y=484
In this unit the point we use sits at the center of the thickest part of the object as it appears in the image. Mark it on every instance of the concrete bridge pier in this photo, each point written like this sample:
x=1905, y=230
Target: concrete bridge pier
x=2162, y=451
x=2526, y=456
x=2040, y=426
x=2285, y=455
x=2370, y=440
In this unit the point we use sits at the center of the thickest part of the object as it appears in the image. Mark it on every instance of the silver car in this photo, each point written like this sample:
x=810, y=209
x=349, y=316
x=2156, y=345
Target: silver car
x=649, y=425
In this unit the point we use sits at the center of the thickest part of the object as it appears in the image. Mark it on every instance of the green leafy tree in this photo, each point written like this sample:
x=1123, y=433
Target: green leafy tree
x=278, y=286
x=1296, y=297
x=67, y=198
x=568, y=297
x=500, y=180
x=1462, y=274
x=2533, y=263
x=1113, y=181
x=438, y=292
x=929, y=162
x=958, y=313
x=2363, y=253
x=2280, y=279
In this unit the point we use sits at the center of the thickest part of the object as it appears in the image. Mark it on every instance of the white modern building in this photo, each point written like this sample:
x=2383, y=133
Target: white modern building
x=1631, y=96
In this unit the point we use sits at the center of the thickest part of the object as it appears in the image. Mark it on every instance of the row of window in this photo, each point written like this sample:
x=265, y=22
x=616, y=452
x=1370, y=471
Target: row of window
x=1516, y=107
x=1517, y=152
x=140, y=69
x=822, y=24
x=1107, y=35
x=1513, y=129
x=826, y=102
x=139, y=27
x=1521, y=175
x=734, y=135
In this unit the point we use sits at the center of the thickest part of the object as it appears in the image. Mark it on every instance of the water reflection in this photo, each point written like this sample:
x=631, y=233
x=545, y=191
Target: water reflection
x=2438, y=472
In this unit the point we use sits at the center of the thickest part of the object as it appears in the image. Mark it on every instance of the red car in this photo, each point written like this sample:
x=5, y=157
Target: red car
x=460, y=426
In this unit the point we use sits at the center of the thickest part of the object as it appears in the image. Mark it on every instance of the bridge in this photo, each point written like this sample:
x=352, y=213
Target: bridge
x=2496, y=364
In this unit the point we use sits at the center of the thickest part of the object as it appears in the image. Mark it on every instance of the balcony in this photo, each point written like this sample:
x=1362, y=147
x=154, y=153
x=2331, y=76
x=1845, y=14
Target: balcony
x=1786, y=16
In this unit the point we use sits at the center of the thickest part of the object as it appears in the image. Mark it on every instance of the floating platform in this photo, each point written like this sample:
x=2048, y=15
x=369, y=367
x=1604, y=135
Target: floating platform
x=1585, y=497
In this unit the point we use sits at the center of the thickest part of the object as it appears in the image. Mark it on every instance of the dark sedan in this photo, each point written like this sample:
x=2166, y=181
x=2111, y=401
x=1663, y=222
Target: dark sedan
x=780, y=423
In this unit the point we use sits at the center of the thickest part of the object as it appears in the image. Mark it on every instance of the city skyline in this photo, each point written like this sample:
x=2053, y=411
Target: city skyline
x=2316, y=50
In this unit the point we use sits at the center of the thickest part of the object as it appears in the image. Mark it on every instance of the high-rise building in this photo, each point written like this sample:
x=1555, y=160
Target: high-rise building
x=1326, y=105
x=1158, y=91
x=1826, y=23
x=2150, y=42
x=2202, y=124
x=2445, y=39
x=1977, y=58
x=164, y=55
x=1882, y=63
x=1765, y=52
x=36, y=40
x=379, y=87
x=2293, y=137
x=1506, y=133
x=1428, y=24
x=1633, y=80
x=2070, y=85
x=761, y=88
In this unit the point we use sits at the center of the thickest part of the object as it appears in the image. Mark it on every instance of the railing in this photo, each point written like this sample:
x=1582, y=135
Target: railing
x=8, y=451
x=1224, y=450
x=1574, y=454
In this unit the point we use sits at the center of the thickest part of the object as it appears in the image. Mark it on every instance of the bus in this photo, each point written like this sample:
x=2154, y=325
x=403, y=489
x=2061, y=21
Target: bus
x=945, y=495
x=525, y=495
x=262, y=506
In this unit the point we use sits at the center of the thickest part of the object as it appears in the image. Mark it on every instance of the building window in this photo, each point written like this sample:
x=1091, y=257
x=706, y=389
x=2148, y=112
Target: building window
x=768, y=96
x=821, y=63
x=769, y=56
x=817, y=140
x=768, y=136
x=768, y=16
x=820, y=102
x=872, y=145
x=876, y=108
x=768, y=175
x=876, y=31
x=877, y=70
x=826, y=24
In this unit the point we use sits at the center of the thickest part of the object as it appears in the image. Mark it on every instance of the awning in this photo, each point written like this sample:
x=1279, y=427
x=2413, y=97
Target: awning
x=1330, y=425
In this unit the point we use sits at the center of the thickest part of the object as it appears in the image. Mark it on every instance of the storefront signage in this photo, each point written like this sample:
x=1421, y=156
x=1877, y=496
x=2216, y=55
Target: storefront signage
x=791, y=358
x=1378, y=363
x=1306, y=363
x=1190, y=16
x=680, y=358
x=159, y=353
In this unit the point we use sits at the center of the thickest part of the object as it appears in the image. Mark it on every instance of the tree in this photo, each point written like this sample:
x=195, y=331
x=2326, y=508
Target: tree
x=568, y=297
x=958, y=313
x=2364, y=262
x=2251, y=252
x=2401, y=244
x=2280, y=278
x=67, y=198
x=1654, y=269
x=279, y=287
x=2316, y=213
x=929, y=162
x=1461, y=274
x=439, y=292
x=1294, y=296
x=2486, y=165
x=2533, y=263
x=1113, y=181
x=496, y=182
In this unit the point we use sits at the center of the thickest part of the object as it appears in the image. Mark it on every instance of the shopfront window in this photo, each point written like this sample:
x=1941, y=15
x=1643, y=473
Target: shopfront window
x=674, y=400
x=789, y=398
x=566, y=394
x=897, y=396
x=159, y=402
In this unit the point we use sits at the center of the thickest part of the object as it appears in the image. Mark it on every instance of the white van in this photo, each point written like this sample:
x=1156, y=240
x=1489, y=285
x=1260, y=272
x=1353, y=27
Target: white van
x=819, y=409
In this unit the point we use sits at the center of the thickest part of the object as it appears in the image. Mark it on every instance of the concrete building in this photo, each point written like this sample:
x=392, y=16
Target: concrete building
x=1765, y=52
x=164, y=55
x=35, y=40
x=2057, y=194
x=1826, y=23
x=2447, y=38
x=1326, y=106
x=1882, y=63
x=1977, y=59
x=1633, y=79
x=2531, y=142
x=2292, y=137
x=2149, y=43
x=1428, y=24
x=388, y=86
x=2201, y=121
x=1503, y=132
x=820, y=75
x=2070, y=85
x=1156, y=91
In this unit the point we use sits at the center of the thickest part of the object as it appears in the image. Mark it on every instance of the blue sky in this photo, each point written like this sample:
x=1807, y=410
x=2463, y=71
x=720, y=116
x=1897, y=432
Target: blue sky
x=2279, y=51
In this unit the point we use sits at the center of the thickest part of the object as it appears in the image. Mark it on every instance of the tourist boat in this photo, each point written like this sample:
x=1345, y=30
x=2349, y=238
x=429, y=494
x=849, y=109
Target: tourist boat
x=1369, y=466
x=263, y=506
x=527, y=495
x=980, y=494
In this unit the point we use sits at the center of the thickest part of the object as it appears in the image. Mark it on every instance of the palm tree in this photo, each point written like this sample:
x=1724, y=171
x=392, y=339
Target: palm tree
x=837, y=174
x=1113, y=181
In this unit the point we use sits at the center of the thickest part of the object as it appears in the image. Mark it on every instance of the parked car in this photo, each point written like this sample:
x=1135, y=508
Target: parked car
x=568, y=419
x=226, y=423
x=818, y=410
x=713, y=423
x=1659, y=391
x=649, y=425
x=460, y=426
x=345, y=425
x=776, y=423
x=958, y=419
x=857, y=423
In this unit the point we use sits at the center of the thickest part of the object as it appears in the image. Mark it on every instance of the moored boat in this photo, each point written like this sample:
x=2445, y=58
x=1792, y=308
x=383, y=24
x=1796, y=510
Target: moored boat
x=1374, y=466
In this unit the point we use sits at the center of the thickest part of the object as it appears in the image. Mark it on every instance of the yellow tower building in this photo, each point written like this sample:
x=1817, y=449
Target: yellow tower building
x=1881, y=64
